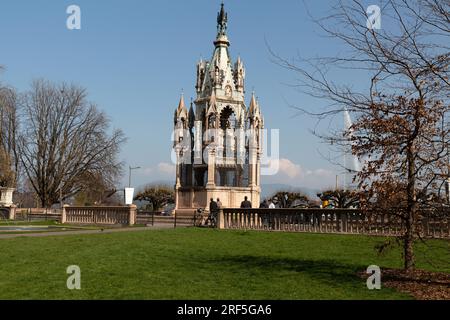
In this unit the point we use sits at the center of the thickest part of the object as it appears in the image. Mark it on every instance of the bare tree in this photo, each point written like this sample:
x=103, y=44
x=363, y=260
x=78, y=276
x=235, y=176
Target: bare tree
x=401, y=131
x=64, y=137
x=8, y=136
x=96, y=191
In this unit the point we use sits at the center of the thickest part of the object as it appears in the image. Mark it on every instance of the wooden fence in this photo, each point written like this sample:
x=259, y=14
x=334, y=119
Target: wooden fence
x=124, y=215
x=348, y=221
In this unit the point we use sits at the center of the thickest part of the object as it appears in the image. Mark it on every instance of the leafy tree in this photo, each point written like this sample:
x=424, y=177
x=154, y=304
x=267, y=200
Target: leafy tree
x=342, y=198
x=159, y=196
x=288, y=198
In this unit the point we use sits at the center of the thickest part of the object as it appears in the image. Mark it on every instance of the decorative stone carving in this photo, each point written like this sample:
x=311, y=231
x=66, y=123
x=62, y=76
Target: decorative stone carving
x=6, y=196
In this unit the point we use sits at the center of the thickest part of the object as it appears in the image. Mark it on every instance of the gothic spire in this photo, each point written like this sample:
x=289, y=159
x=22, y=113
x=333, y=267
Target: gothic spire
x=181, y=110
x=222, y=22
x=212, y=103
x=253, y=105
x=191, y=115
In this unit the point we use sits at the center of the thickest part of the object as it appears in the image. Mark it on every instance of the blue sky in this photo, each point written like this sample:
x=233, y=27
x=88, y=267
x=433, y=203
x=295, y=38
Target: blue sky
x=136, y=56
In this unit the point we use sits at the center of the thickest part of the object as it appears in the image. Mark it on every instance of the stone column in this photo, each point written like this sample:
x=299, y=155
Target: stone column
x=198, y=152
x=191, y=198
x=12, y=212
x=132, y=215
x=258, y=171
x=177, y=178
x=211, y=169
x=178, y=170
x=64, y=214
x=220, y=220
x=252, y=160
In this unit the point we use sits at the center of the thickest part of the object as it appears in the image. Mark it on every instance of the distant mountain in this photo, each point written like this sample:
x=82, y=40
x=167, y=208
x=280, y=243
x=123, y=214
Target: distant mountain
x=169, y=183
x=267, y=190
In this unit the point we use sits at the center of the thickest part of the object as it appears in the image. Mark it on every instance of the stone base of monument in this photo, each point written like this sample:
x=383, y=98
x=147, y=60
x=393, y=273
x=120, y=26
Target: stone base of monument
x=185, y=212
x=189, y=200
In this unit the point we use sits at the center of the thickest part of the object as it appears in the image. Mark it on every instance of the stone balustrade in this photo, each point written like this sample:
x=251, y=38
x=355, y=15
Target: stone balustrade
x=349, y=221
x=123, y=215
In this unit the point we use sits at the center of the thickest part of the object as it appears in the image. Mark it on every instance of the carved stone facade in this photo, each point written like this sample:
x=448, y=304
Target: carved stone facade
x=218, y=142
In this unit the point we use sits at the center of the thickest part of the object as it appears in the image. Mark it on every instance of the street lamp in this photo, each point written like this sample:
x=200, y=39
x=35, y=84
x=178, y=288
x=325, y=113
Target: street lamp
x=129, y=176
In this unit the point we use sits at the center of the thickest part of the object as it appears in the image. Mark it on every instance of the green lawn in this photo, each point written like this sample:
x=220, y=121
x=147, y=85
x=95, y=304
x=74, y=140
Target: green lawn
x=54, y=226
x=28, y=223
x=190, y=263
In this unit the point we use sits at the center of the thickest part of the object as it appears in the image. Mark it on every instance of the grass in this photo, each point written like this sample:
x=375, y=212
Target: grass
x=28, y=223
x=193, y=263
x=54, y=226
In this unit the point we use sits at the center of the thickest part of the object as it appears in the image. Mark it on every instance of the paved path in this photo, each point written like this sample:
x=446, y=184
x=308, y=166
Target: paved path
x=77, y=232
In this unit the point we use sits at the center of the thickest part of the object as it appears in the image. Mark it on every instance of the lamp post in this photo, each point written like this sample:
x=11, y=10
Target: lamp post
x=129, y=176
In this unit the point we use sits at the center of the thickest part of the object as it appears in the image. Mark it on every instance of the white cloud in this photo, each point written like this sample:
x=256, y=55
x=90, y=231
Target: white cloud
x=166, y=168
x=295, y=175
x=288, y=168
x=148, y=171
x=163, y=169
x=289, y=172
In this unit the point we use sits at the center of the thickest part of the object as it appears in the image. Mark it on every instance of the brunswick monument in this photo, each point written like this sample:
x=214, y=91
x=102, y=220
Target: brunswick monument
x=218, y=142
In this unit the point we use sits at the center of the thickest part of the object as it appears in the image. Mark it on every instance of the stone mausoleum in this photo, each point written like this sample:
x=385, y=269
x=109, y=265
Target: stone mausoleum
x=218, y=141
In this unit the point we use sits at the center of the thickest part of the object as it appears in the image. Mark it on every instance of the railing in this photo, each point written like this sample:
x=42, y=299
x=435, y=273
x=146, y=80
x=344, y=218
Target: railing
x=99, y=215
x=37, y=214
x=328, y=221
x=155, y=218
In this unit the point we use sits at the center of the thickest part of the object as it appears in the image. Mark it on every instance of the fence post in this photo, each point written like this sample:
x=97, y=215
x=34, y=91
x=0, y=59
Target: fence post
x=12, y=212
x=220, y=220
x=132, y=214
x=64, y=214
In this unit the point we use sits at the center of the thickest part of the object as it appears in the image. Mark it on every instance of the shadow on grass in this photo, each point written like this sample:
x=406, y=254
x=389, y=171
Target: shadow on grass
x=327, y=271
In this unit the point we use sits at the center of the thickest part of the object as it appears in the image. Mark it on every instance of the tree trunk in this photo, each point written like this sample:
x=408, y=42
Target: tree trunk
x=408, y=241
